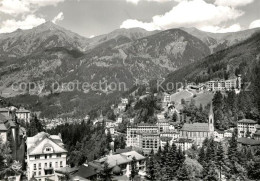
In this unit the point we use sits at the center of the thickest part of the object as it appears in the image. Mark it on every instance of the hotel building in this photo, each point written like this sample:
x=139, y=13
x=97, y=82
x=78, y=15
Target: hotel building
x=45, y=153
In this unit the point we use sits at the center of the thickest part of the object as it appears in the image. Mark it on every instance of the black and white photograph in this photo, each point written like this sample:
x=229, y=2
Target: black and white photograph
x=129, y=90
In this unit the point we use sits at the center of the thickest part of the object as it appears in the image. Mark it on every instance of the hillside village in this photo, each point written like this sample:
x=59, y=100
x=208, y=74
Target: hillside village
x=132, y=149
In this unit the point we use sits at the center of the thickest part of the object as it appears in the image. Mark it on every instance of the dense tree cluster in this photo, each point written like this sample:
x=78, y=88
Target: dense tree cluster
x=194, y=113
x=167, y=164
x=84, y=141
x=231, y=107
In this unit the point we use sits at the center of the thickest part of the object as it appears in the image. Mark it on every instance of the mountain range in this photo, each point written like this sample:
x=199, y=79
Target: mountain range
x=51, y=53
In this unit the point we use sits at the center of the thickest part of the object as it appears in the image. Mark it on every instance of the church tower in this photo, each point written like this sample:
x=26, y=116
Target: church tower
x=211, y=119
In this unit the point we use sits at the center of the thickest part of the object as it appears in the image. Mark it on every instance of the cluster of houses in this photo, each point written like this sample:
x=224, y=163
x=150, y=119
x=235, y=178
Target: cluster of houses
x=46, y=159
x=147, y=137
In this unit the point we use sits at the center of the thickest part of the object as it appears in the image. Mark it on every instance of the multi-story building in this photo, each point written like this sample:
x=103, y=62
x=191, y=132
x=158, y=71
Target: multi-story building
x=23, y=114
x=174, y=134
x=124, y=100
x=7, y=124
x=163, y=126
x=198, y=131
x=45, y=153
x=166, y=98
x=245, y=125
x=184, y=143
x=222, y=85
x=143, y=136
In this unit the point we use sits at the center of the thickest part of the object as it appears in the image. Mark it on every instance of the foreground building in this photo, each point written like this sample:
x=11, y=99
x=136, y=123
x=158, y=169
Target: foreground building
x=45, y=153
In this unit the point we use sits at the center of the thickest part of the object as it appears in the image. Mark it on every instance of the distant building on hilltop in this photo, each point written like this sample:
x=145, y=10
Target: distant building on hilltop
x=222, y=85
x=45, y=153
x=199, y=131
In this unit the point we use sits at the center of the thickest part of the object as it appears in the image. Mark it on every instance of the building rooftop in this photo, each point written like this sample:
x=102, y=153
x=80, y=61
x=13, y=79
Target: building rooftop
x=3, y=127
x=37, y=143
x=220, y=131
x=257, y=133
x=184, y=140
x=86, y=171
x=165, y=138
x=119, y=159
x=248, y=141
x=3, y=109
x=248, y=121
x=127, y=149
x=195, y=127
x=22, y=110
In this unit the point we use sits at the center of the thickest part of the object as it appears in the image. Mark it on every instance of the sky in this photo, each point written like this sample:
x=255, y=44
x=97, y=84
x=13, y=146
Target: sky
x=90, y=18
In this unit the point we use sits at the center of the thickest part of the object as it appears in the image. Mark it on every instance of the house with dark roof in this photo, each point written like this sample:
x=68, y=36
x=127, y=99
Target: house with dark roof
x=198, y=131
x=257, y=135
x=45, y=154
x=6, y=123
x=248, y=142
x=5, y=112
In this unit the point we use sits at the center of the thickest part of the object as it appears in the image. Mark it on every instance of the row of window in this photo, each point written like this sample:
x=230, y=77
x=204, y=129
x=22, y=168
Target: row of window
x=49, y=172
x=46, y=165
x=46, y=156
x=194, y=134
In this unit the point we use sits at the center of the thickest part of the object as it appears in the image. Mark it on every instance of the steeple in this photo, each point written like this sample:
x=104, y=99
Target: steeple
x=211, y=118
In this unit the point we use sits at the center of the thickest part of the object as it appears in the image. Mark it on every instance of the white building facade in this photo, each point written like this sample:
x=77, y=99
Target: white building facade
x=45, y=153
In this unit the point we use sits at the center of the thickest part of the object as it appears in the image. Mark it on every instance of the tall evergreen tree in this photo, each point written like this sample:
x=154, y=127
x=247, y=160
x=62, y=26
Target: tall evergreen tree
x=171, y=162
x=183, y=173
x=106, y=173
x=151, y=170
x=211, y=174
x=220, y=158
x=134, y=169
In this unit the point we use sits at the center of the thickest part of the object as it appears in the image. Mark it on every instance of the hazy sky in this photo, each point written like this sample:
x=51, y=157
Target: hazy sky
x=95, y=17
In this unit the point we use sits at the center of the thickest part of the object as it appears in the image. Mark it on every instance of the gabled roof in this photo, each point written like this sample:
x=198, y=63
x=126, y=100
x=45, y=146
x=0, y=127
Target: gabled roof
x=195, y=127
x=184, y=140
x=36, y=144
x=257, y=133
x=86, y=171
x=2, y=117
x=3, y=127
x=4, y=110
x=22, y=110
x=248, y=121
x=132, y=154
x=118, y=159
